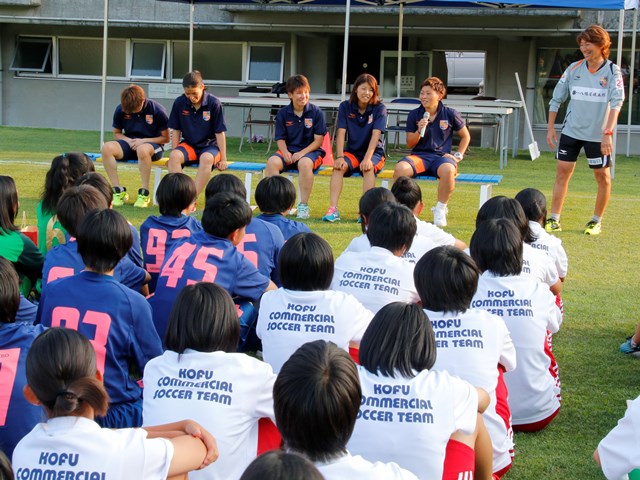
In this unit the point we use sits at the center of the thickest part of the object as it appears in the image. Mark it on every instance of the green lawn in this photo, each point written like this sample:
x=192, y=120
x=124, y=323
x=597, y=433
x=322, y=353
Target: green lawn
x=600, y=293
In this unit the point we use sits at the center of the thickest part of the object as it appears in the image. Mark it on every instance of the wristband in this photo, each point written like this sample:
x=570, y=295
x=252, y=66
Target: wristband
x=458, y=156
x=339, y=157
x=608, y=131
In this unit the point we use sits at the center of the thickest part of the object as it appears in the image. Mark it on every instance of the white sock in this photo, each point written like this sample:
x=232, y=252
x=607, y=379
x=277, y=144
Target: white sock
x=441, y=205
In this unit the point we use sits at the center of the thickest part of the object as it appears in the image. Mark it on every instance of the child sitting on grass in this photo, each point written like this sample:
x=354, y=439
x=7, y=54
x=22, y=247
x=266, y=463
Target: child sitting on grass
x=275, y=196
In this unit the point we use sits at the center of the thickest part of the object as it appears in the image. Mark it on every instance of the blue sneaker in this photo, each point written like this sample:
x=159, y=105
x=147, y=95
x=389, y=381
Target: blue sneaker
x=629, y=348
x=333, y=214
x=304, y=211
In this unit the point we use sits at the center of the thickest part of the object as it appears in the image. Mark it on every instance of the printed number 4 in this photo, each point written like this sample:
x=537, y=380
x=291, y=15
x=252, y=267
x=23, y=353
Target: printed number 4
x=8, y=369
x=70, y=318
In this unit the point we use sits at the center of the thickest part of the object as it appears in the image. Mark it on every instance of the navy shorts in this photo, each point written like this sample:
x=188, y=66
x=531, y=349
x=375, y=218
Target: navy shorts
x=353, y=162
x=192, y=155
x=427, y=163
x=316, y=157
x=569, y=148
x=130, y=154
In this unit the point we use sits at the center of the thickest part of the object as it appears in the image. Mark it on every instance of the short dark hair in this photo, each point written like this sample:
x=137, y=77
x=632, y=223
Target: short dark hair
x=505, y=207
x=316, y=399
x=373, y=84
x=74, y=205
x=104, y=238
x=399, y=340
x=192, y=79
x=225, y=182
x=203, y=318
x=131, y=97
x=496, y=246
x=8, y=204
x=446, y=279
x=306, y=263
x=224, y=213
x=534, y=204
x=9, y=291
x=176, y=192
x=391, y=226
x=295, y=82
x=275, y=194
x=62, y=174
x=407, y=191
x=280, y=465
x=98, y=182
x=61, y=369
x=370, y=200
x=435, y=84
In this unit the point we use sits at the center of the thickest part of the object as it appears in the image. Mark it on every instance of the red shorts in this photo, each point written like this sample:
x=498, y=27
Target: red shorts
x=459, y=461
x=268, y=436
x=536, y=426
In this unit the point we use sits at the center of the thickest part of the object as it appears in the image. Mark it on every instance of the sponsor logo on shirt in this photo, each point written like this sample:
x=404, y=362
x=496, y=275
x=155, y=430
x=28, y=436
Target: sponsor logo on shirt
x=352, y=115
x=186, y=113
x=589, y=94
x=289, y=123
x=206, y=115
x=127, y=116
x=603, y=82
x=149, y=119
x=308, y=122
x=444, y=124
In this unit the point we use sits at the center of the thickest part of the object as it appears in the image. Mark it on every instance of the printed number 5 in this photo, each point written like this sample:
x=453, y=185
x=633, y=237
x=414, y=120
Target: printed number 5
x=70, y=318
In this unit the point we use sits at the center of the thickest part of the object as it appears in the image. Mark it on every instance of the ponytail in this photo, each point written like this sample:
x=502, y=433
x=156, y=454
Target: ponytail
x=64, y=171
x=84, y=391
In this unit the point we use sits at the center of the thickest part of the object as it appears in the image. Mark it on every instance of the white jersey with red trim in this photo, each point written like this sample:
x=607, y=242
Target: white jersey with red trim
x=357, y=468
x=419, y=247
x=552, y=246
x=471, y=345
x=226, y=393
x=290, y=318
x=375, y=277
x=529, y=310
x=77, y=447
x=619, y=451
x=410, y=420
x=538, y=265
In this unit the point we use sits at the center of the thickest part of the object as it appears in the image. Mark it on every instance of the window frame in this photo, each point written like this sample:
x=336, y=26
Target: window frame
x=89, y=76
x=131, y=54
x=213, y=81
x=249, y=45
x=50, y=55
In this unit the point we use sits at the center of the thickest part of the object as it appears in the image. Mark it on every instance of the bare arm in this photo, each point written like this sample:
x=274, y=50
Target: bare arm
x=176, y=135
x=465, y=139
x=367, y=164
x=552, y=137
x=221, y=139
x=316, y=144
x=339, y=162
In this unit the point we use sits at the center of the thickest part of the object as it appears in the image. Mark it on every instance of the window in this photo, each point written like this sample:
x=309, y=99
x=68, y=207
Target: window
x=220, y=62
x=83, y=56
x=32, y=55
x=265, y=63
x=148, y=59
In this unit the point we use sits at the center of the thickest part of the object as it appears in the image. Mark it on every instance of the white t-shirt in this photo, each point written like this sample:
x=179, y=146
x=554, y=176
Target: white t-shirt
x=435, y=234
x=357, y=468
x=227, y=393
x=536, y=264
x=620, y=450
x=552, y=246
x=528, y=309
x=70, y=445
x=290, y=318
x=419, y=247
x=471, y=345
x=375, y=277
x=410, y=420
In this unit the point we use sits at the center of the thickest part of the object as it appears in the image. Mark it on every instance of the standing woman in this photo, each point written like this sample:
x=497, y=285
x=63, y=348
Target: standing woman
x=362, y=119
x=596, y=88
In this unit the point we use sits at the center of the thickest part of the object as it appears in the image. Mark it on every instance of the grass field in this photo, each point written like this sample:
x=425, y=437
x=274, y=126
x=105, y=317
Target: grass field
x=601, y=292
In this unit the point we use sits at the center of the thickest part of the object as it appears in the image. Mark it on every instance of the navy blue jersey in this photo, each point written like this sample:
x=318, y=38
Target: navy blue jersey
x=26, y=311
x=149, y=122
x=261, y=245
x=439, y=133
x=17, y=416
x=64, y=261
x=135, y=253
x=360, y=126
x=298, y=132
x=203, y=258
x=116, y=320
x=157, y=236
x=288, y=227
x=198, y=127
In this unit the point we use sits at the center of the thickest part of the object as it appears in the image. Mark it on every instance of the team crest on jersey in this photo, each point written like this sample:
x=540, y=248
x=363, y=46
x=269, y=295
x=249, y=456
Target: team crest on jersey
x=149, y=119
x=206, y=115
x=370, y=121
x=603, y=82
x=308, y=122
x=444, y=124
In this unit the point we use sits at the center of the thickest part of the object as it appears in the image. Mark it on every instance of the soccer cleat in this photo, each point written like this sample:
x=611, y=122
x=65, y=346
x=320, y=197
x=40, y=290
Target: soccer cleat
x=440, y=216
x=333, y=214
x=552, y=225
x=303, y=211
x=119, y=198
x=143, y=200
x=628, y=349
x=593, y=228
